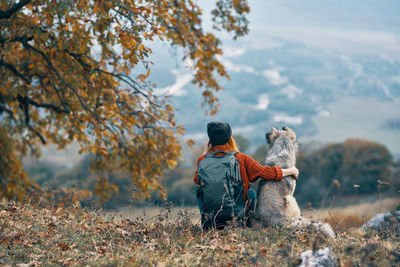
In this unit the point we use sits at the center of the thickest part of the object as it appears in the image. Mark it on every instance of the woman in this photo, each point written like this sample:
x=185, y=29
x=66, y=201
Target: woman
x=208, y=177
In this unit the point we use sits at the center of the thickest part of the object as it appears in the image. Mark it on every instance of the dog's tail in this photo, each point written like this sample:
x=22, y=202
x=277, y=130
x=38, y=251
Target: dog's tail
x=314, y=226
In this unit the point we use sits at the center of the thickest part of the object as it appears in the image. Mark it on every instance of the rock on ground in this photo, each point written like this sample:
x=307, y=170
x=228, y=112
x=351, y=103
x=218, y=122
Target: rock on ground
x=385, y=221
x=321, y=257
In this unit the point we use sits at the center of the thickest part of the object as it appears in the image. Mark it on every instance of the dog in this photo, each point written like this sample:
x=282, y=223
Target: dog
x=276, y=204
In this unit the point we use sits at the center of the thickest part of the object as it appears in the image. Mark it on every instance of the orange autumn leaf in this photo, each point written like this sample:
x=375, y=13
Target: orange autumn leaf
x=74, y=82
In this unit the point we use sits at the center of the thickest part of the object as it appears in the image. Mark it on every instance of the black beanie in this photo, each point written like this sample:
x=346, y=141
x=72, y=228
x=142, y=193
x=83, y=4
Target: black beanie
x=218, y=132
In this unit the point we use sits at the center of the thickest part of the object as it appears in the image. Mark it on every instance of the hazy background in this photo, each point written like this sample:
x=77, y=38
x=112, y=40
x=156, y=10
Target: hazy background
x=328, y=69
x=331, y=70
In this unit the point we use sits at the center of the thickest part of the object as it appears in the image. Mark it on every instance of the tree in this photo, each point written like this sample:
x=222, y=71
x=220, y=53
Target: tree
x=365, y=162
x=354, y=161
x=242, y=142
x=69, y=72
x=260, y=154
x=395, y=179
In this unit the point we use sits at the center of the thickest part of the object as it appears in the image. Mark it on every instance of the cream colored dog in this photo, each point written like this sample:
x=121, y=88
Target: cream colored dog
x=275, y=202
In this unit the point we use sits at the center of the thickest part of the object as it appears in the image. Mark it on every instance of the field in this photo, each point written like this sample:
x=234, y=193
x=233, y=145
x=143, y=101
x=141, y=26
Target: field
x=363, y=211
x=168, y=236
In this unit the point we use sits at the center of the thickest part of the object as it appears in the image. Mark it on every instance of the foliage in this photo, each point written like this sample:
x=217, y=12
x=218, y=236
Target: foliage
x=353, y=162
x=179, y=186
x=13, y=180
x=41, y=171
x=395, y=179
x=242, y=142
x=81, y=178
x=70, y=72
x=260, y=154
x=309, y=191
x=61, y=236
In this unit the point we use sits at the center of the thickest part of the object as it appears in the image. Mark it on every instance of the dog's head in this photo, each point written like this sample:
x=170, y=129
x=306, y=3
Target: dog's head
x=275, y=134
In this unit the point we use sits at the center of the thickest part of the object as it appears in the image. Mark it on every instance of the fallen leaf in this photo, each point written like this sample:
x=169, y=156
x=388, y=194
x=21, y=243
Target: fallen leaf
x=5, y=240
x=263, y=251
x=63, y=246
x=281, y=244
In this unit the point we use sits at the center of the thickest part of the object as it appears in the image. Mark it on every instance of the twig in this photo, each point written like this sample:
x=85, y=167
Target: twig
x=8, y=13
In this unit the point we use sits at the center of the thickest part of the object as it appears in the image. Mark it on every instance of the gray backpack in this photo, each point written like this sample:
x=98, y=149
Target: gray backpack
x=220, y=190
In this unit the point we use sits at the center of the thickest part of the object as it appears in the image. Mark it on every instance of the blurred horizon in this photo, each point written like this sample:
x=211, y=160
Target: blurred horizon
x=329, y=70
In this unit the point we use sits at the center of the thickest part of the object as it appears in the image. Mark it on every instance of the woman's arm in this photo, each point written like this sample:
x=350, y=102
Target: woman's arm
x=195, y=174
x=255, y=170
x=207, y=147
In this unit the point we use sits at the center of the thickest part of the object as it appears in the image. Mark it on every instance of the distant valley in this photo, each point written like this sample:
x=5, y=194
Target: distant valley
x=322, y=95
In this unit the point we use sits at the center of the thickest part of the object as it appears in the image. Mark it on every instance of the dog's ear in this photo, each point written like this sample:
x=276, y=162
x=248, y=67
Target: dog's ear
x=268, y=137
x=291, y=133
x=271, y=135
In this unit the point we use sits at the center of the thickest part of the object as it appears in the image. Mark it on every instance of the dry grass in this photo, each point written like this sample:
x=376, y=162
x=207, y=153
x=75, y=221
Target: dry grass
x=340, y=218
x=344, y=218
x=169, y=237
x=151, y=214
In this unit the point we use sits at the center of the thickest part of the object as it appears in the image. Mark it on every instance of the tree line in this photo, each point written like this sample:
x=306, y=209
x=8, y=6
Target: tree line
x=353, y=167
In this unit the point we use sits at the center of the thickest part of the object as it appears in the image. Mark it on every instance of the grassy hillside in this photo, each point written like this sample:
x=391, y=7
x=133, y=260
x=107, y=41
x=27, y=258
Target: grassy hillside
x=62, y=236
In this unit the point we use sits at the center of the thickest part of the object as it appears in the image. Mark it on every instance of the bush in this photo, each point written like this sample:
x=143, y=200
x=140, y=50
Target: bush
x=183, y=192
x=394, y=181
x=260, y=153
x=353, y=162
x=42, y=171
x=310, y=191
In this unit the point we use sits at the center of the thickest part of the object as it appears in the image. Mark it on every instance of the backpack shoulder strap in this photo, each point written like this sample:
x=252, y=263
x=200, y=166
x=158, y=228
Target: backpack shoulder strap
x=213, y=155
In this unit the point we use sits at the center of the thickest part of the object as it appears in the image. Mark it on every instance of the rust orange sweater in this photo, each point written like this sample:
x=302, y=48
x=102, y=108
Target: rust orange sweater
x=250, y=170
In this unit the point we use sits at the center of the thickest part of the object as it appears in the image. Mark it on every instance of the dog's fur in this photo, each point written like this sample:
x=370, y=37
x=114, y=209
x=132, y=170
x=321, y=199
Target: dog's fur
x=275, y=202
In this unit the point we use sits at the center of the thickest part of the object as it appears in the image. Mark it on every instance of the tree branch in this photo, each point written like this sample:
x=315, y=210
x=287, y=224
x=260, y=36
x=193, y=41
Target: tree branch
x=24, y=101
x=8, y=13
x=26, y=80
x=16, y=39
x=14, y=70
x=37, y=133
x=50, y=65
x=10, y=113
x=47, y=105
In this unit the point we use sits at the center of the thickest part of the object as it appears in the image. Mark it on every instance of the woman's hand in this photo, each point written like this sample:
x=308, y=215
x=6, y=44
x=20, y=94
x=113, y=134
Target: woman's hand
x=207, y=147
x=291, y=171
